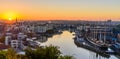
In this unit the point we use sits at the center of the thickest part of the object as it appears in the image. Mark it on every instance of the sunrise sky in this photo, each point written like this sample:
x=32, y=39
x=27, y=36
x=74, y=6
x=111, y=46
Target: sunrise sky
x=60, y=9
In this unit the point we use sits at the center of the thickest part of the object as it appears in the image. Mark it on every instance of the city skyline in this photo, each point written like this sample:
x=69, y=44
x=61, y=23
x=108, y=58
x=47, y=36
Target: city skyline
x=60, y=9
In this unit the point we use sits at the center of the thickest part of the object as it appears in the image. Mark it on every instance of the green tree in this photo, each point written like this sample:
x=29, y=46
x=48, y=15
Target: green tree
x=50, y=31
x=65, y=57
x=2, y=54
x=11, y=54
x=50, y=52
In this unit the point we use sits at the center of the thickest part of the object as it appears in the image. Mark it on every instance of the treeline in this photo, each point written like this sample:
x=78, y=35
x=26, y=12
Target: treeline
x=51, y=52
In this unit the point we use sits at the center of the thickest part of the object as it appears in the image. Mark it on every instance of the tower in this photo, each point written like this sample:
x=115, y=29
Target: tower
x=16, y=20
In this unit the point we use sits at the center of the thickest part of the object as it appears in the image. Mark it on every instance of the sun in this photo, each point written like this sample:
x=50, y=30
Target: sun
x=10, y=16
x=10, y=19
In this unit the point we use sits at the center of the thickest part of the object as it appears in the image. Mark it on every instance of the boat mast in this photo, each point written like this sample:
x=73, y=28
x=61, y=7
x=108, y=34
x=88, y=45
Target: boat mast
x=100, y=35
x=104, y=32
x=94, y=32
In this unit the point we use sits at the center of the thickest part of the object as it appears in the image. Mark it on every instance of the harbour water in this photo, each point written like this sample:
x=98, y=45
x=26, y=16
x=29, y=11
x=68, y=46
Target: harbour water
x=66, y=44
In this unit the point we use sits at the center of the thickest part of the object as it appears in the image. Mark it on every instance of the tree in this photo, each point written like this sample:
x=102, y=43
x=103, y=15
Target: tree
x=50, y=52
x=2, y=39
x=50, y=31
x=2, y=54
x=65, y=57
x=11, y=54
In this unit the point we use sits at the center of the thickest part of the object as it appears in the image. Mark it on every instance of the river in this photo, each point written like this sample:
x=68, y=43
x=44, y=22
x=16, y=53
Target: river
x=67, y=47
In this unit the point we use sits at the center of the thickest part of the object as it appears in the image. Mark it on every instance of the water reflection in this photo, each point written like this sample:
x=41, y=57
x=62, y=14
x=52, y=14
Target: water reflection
x=67, y=46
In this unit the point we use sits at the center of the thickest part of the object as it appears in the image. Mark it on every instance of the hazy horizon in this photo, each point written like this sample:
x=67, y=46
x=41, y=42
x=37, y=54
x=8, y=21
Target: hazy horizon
x=92, y=10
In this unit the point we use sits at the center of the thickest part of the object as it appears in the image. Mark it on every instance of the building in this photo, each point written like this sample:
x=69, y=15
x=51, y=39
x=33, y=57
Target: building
x=15, y=41
x=49, y=26
x=41, y=29
x=118, y=36
x=3, y=47
x=80, y=28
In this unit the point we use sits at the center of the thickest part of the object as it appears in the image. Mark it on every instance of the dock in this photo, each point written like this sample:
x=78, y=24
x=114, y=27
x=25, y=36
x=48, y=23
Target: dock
x=90, y=47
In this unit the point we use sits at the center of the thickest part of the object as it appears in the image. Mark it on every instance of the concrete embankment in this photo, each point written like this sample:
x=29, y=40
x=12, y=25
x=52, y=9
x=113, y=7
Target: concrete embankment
x=100, y=52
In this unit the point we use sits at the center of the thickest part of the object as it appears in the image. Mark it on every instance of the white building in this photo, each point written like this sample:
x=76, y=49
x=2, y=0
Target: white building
x=21, y=36
x=41, y=28
x=49, y=26
x=7, y=40
x=14, y=44
x=31, y=28
x=86, y=27
x=14, y=41
x=23, y=28
x=80, y=28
